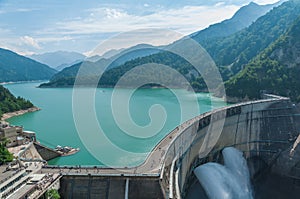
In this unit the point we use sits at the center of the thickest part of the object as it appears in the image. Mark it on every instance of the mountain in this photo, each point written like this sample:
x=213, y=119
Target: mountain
x=14, y=67
x=91, y=70
x=233, y=52
x=91, y=67
x=62, y=66
x=106, y=55
x=10, y=103
x=243, y=18
x=94, y=58
x=59, y=59
x=275, y=70
x=140, y=50
x=112, y=53
x=67, y=76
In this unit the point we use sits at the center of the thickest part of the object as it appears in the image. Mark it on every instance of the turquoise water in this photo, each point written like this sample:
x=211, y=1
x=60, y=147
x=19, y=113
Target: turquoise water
x=54, y=124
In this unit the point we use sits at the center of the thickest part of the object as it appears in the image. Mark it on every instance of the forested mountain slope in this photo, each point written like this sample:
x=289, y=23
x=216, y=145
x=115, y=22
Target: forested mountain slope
x=275, y=70
x=10, y=103
x=14, y=67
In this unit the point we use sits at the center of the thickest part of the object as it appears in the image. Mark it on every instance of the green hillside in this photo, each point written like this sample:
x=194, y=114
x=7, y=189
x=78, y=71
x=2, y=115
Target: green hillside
x=14, y=67
x=10, y=103
x=91, y=70
x=275, y=70
x=235, y=51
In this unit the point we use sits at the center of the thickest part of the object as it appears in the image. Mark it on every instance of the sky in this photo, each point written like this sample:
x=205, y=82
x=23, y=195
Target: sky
x=34, y=26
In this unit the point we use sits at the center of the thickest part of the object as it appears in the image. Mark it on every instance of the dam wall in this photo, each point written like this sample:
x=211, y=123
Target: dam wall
x=45, y=152
x=112, y=186
x=261, y=129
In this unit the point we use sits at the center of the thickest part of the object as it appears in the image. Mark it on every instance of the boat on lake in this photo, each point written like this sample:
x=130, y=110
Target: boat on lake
x=66, y=150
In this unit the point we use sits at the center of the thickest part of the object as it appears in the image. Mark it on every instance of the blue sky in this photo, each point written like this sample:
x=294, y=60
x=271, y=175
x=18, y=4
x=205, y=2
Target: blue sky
x=37, y=26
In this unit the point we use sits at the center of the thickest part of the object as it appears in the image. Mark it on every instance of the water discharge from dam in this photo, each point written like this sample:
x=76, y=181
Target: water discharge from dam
x=228, y=181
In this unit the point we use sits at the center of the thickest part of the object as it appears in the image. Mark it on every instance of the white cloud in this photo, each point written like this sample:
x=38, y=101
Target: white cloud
x=185, y=20
x=27, y=45
x=99, y=24
x=24, y=10
x=221, y=3
x=30, y=42
x=114, y=14
x=12, y=10
x=263, y=2
x=16, y=44
x=53, y=39
x=4, y=31
x=16, y=49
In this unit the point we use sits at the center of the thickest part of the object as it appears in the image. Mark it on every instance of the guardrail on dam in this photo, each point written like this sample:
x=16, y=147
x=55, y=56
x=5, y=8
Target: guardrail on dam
x=261, y=129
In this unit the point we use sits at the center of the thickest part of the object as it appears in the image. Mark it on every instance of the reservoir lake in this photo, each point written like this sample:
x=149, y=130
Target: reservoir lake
x=54, y=123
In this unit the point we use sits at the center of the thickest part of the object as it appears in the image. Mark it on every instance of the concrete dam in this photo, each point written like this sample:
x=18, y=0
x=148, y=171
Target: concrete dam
x=266, y=130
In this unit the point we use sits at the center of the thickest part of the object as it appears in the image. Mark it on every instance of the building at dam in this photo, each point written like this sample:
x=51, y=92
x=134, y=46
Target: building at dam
x=266, y=131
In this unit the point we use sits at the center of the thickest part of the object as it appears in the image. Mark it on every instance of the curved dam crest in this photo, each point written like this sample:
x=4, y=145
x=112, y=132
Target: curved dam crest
x=265, y=129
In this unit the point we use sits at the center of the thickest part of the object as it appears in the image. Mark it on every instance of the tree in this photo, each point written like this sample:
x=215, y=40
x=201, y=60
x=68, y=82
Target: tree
x=10, y=103
x=5, y=155
x=52, y=194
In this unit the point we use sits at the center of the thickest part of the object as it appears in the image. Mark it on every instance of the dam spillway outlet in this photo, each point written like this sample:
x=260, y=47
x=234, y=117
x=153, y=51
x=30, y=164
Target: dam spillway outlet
x=231, y=180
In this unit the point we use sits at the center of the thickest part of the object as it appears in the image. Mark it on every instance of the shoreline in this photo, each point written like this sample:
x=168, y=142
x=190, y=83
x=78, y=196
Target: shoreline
x=6, y=116
x=21, y=82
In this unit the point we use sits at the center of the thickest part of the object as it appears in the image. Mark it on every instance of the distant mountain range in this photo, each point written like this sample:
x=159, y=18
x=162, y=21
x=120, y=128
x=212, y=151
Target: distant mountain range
x=14, y=67
x=59, y=59
x=96, y=65
x=106, y=55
